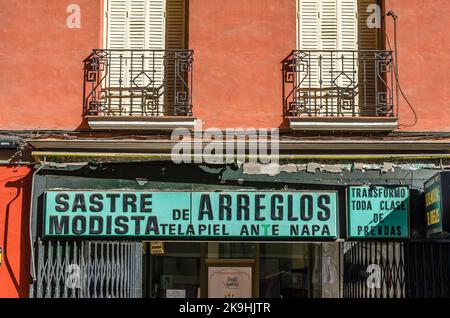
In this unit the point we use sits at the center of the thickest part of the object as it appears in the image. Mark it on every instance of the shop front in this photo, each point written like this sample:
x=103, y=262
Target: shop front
x=215, y=244
x=190, y=231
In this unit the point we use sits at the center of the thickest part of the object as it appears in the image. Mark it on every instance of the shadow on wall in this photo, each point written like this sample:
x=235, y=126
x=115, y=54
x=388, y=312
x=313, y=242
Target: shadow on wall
x=18, y=265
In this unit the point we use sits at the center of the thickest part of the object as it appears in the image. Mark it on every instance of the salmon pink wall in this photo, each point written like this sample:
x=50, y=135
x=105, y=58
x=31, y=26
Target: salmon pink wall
x=15, y=186
x=237, y=72
x=424, y=61
x=41, y=70
x=238, y=47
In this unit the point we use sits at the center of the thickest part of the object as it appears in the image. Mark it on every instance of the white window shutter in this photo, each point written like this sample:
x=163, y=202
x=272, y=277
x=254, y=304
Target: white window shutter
x=367, y=40
x=136, y=25
x=347, y=41
x=116, y=24
x=156, y=10
x=327, y=25
x=347, y=24
x=116, y=37
x=156, y=35
x=308, y=23
x=328, y=39
x=309, y=39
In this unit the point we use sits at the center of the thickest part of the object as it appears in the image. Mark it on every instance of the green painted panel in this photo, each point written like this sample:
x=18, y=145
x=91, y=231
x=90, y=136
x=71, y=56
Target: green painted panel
x=433, y=206
x=190, y=215
x=378, y=212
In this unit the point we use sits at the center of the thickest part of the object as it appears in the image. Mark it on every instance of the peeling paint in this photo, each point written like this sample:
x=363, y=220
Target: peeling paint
x=312, y=167
x=334, y=168
x=289, y=168
x=274, y=169
x=387, y=167
x=271, y=169
x=141, y=181
x=417, y=166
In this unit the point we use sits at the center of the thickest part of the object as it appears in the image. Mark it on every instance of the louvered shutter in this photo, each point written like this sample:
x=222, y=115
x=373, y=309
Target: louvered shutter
x=116, y=39
x=116, y=24
x=176, y=24
x=175, y=40
x=347, y=24
x=329, y=26
x=137, y=68
x=329, y=43
x=135, y=25
x=347, y=66
x=309, y=39
x=155, y=30
x=367, y=40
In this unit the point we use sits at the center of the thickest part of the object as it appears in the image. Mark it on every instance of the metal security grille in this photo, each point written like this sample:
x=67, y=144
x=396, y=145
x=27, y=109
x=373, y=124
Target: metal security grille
x=374, y=270
x=428, y=270
x=88, y=269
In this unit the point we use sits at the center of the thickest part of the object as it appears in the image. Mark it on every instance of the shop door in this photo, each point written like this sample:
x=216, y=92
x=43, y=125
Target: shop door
x=242, y=270
x=88, y=269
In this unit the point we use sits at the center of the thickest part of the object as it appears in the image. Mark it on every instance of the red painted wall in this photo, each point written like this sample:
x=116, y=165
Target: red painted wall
x=237, y=72
x=41, y=71
x=15, y=188
x=424, y=61
x=239, y=46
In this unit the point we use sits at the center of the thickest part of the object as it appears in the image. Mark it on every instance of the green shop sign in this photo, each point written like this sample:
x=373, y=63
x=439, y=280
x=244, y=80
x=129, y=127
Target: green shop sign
x=378, y=212
x=190, y=215
x=433, y=206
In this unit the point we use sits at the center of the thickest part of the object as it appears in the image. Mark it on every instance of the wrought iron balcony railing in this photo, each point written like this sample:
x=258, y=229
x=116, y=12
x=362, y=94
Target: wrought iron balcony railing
x=138, y=83
x=339, y=84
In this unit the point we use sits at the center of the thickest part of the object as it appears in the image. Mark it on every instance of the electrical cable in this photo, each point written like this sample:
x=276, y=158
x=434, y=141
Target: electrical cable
x=397, y=80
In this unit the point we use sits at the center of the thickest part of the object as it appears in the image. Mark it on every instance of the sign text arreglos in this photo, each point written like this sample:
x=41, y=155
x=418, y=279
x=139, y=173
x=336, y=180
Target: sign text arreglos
x=178, y=215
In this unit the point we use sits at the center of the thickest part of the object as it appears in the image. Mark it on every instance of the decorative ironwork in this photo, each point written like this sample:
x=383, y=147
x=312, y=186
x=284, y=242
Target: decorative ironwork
x=138, y=83
x=88, y=269
x=338, y=83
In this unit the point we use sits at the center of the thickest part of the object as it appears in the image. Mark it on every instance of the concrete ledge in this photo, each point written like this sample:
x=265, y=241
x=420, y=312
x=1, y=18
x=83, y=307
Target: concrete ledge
x=140, y=123
x=368, y=124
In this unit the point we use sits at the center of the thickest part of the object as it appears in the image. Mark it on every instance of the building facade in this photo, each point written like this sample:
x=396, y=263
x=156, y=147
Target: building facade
x=198, y=148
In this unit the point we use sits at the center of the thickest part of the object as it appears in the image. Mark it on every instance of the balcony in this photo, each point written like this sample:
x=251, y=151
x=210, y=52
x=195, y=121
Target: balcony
x=138, y=89
x=339, y=91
